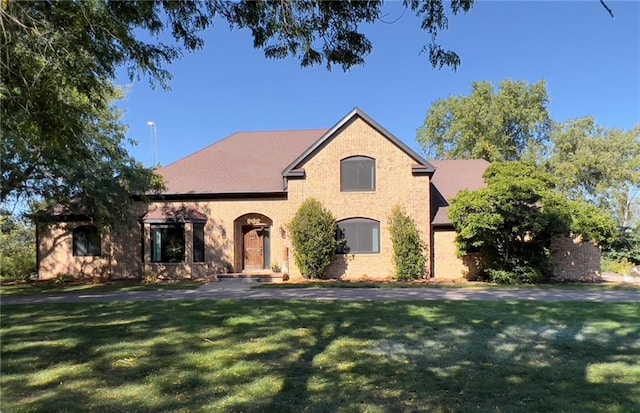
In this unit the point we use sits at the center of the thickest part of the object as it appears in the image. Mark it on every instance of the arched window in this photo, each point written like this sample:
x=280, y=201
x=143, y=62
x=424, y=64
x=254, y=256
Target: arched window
x=357, y=173
x=362, y=236
x=86, y=241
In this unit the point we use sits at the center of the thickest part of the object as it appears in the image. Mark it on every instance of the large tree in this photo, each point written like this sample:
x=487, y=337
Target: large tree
x=61, y=136
x=599, y=165
x=512, y=221
x=506, y=125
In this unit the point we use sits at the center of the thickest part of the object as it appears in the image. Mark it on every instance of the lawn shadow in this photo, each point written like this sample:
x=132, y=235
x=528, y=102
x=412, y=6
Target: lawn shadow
x=321, y=356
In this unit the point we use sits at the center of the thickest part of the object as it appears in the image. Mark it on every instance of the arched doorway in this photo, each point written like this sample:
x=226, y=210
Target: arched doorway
x=252, y=241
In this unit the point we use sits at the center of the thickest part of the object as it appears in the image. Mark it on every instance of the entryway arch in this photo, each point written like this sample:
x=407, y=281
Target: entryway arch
x=252, y=242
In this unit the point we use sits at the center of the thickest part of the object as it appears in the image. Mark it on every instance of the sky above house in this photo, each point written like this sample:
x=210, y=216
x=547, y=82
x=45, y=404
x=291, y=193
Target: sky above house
x=590, y=62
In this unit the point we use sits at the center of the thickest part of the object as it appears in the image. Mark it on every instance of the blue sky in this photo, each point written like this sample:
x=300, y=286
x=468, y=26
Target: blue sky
x=590, y=61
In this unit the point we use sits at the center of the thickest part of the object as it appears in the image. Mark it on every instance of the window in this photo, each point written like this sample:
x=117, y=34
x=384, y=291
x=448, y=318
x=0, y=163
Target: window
x=167, y=242
x=198, y=242
x=362, y=235
x=357, y=173
x=86, y=241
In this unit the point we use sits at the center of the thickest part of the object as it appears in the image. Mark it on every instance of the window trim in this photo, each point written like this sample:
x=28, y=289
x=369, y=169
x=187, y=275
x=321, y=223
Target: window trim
x=88, y=232
x=354, y=159
x=375, y=224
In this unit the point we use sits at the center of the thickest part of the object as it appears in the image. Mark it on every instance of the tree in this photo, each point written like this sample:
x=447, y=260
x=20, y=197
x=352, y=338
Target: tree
x=599, y=165
x=408, y=248
x=313, y=235
x=62, y=139
x=509, y=125
x=512, y=221
x=17, y=252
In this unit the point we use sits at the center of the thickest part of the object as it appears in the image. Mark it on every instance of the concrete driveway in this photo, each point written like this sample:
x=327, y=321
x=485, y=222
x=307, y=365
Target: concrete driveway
x=242, y=290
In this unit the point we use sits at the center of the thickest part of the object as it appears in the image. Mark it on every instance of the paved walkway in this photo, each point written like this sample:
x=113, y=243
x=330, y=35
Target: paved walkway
x=242, y=290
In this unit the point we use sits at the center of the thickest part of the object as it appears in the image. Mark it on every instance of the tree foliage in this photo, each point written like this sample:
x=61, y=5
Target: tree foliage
x=598, y=165
x=62, y=138
x=506, y=125
x=17, y=247
x=512, y=221
x=313, y=232
x=408, y=249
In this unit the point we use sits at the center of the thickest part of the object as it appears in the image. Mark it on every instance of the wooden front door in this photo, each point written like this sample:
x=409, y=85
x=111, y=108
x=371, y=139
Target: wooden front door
x=253, y=244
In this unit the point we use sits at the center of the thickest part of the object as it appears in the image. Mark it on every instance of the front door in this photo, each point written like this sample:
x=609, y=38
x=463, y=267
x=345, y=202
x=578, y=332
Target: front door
x=253, y=240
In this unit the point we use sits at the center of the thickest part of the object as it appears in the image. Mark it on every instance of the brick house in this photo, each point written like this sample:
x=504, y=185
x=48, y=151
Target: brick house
x=226, y=208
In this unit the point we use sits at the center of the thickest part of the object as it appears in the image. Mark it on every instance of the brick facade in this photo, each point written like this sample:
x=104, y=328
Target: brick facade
x=402, y=178
x=574, y=260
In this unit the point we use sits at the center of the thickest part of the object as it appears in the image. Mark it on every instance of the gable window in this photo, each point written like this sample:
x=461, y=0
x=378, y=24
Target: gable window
x=167, y=242
x=86, y=241
x=362, y=236
x=357, y=173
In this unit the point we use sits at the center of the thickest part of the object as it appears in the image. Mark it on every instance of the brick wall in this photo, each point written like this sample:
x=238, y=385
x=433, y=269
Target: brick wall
x=446, y=263
x=395, y=185
x=574, y=260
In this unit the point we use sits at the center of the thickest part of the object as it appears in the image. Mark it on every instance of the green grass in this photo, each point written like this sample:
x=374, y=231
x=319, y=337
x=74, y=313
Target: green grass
x=268, y=356
x=38, y=288
x=467, y=285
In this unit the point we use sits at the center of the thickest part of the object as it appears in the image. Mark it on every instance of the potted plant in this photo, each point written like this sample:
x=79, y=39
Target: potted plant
x=275, y=267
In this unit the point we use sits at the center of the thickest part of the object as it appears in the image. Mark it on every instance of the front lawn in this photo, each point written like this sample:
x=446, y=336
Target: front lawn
x=268, y=356
x=473, y=285
x=50, y=287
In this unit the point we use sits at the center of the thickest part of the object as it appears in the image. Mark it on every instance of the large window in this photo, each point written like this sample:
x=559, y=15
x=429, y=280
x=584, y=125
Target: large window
x=167, y=242
x=362, y=236
x=198, y=242
x=86, y=241
x=357, y=173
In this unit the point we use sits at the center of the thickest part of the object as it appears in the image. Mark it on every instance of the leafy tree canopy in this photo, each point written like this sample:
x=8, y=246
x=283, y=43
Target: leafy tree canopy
x=17, y=252
x=506, y=125
x=511, y=222
x=599, y=165
x=62, y=138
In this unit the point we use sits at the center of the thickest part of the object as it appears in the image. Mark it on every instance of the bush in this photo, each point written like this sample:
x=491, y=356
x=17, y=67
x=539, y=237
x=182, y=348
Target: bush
x=519, y=275
x=313, y=235
x=625, y=246
x=622, y=267
x=17, y=248
x=408, y=248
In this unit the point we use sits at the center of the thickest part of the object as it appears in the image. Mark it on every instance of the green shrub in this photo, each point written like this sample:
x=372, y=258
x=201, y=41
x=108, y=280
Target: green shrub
x=17, y=248
x=408, y=248
x=313, y=235
x=63, y=279
x=519, y=275
x=622, y=267
x=625, y=246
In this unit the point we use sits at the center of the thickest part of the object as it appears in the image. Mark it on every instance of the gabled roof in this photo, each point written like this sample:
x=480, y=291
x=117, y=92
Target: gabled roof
x=245, y=162
x=451, y=177
x=293, y=169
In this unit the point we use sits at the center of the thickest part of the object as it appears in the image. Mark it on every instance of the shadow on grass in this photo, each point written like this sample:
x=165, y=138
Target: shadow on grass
x=255, y=356
x=50, y=287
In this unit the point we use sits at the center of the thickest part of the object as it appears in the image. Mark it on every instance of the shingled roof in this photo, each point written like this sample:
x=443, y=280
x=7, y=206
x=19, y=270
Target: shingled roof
x=451, y=177
x=256, y=162
x=246, y=162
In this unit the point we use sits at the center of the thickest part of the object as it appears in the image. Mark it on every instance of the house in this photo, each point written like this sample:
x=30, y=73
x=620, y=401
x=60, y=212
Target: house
x=226, y=208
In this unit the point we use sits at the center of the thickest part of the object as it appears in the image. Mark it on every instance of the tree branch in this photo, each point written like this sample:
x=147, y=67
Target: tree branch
x=606, y=7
